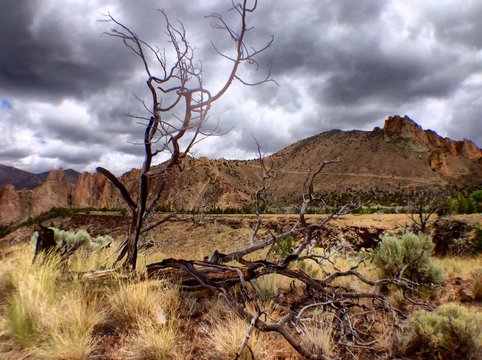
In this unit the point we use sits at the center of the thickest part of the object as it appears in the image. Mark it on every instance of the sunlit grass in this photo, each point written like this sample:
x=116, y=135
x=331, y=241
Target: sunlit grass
x=153, y=342
x=458, y=266
x=226, y=332
x=317, y=335
x=134, y=305
x=45, y=314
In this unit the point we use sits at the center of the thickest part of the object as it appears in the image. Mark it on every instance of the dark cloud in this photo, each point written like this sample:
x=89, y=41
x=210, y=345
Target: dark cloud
x=66, y=90
x=8, y=153
x=457, y=25
x=46, y=58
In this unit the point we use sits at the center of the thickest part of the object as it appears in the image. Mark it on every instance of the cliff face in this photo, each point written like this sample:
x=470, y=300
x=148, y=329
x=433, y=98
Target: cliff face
x=54, y=192
x=12, y=206
x=405, y=129
x=398, y=156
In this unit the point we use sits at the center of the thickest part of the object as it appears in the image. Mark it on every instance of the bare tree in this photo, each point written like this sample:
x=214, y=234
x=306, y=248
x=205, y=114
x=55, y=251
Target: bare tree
x=423, y=203
x=178, y=109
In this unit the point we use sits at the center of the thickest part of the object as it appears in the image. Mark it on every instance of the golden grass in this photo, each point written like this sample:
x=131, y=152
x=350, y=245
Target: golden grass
x=45, y=317
x=477, y=284
x=317, y=335
x=458, y=266
x=153, y=342
x=84, y=260
x=131, y=306
x=226, y=334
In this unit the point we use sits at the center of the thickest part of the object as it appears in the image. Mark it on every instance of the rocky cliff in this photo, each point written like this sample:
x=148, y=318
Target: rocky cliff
x=398, y=156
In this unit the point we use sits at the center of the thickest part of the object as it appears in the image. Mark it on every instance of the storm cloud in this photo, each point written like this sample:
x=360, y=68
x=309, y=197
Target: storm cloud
x=66, y=90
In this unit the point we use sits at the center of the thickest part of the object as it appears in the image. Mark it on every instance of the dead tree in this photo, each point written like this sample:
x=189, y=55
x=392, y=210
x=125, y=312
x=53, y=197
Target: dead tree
x=234, y=276
x=178, y=109
x=423, y=203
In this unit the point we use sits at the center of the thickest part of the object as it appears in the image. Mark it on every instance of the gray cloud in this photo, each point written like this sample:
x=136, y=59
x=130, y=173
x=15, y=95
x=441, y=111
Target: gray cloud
x=339, y=64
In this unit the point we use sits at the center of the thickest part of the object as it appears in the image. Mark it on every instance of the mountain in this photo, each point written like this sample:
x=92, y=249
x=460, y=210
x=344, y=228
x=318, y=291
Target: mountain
x=21, y=179
x=386, y=161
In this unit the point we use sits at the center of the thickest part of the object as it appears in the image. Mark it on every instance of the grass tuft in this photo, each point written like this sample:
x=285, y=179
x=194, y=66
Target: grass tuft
x=153, y=342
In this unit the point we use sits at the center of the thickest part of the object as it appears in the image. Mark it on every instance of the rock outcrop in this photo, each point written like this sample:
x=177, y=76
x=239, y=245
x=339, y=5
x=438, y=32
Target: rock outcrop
x=54, y=192
x=403, y=128
x=13, y=206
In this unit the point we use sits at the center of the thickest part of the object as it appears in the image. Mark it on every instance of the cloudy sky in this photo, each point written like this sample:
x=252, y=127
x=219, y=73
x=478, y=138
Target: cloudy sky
x=65, y=89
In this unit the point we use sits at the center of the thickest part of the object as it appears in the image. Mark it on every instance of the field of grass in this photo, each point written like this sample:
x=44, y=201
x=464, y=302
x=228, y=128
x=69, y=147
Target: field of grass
x=53, y=310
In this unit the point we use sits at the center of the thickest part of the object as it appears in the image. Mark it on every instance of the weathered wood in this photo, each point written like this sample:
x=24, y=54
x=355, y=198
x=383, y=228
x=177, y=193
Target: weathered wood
x=45, y=241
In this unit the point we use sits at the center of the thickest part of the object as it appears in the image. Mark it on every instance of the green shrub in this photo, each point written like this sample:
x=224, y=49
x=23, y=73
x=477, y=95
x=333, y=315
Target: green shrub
x=410, y=253
x=452, y=332
x=477, y=242
x=100, y=242
x=81, y=237
x=70, y=240
x=282, y=248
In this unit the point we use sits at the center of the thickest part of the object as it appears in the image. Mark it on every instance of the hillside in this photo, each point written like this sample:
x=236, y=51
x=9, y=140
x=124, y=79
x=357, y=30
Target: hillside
x=21, y=179
x=392, y=159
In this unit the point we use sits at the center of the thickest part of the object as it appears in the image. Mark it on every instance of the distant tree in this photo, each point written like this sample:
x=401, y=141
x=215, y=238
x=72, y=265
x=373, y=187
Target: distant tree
x=423, y=203
x=476, y=197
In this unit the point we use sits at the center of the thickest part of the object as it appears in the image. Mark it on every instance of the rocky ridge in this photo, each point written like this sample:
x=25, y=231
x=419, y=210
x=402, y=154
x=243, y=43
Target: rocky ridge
x=398, y=156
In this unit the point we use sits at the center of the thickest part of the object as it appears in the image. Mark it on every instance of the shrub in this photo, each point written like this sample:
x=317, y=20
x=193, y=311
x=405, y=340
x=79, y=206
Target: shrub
x=70, y=240
x=81, y=237
x=100, y=242
x=410, y=253
x=282, y=248
x=452, y=332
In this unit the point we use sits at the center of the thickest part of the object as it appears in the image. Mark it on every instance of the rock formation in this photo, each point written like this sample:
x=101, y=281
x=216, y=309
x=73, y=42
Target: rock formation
x=401, y=155
x=12, y=205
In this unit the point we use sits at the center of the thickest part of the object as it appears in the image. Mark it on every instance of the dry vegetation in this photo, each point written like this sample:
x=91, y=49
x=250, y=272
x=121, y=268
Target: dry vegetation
x=54, y=309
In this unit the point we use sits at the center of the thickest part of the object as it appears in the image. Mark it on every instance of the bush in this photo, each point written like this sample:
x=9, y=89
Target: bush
x=282, y=248
x=410, y=253
x=452, y=332
x=67, y=240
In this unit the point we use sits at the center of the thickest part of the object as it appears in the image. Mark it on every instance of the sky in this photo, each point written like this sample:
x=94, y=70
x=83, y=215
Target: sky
x=66, y=88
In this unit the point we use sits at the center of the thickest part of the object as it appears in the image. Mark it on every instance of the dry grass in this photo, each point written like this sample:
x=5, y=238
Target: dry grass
x=317, y=335
x=45, y=317
x=131, y=306
x=42, y=317
x=225, y=335
x=477, y=284
x=459, y=267
x=84, y=260
x=153, y=342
